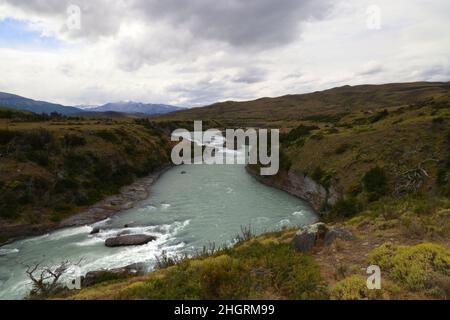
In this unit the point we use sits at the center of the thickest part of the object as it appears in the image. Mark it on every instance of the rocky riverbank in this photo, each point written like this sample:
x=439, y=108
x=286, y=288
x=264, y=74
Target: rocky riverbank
x=299, y=185
x=128, y=197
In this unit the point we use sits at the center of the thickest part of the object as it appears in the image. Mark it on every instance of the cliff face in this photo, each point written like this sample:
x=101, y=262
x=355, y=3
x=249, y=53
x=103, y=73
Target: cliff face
x=299, y=185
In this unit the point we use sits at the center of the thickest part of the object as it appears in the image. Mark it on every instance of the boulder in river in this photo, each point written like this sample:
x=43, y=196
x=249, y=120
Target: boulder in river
x=95, y=230
x=129, y=240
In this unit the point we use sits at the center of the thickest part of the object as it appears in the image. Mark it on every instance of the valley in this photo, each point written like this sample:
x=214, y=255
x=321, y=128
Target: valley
x=373, y=161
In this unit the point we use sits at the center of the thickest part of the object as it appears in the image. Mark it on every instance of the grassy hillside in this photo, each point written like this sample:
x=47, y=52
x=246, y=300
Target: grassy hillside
x=333, y=103
x=267, y=267
x=365, y=141
x=386, y=150
x=54, y=166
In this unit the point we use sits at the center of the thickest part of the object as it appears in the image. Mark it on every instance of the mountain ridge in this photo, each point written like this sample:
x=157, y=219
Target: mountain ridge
x=18, y=102
x=136, y=108
x=21, y=103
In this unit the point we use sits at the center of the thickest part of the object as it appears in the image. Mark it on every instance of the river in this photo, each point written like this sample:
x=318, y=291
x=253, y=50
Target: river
x=189, y=207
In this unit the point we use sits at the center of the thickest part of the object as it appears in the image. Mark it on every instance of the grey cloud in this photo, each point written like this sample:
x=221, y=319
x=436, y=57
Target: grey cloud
x=207, y=91
x=98, y=18
x=184, y=30
x=240, y=23
x=250, y=76
x=434, y=72
x=371, y=69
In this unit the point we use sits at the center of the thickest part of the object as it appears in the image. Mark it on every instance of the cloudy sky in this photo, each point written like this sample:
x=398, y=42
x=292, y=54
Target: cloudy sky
x=196, y=52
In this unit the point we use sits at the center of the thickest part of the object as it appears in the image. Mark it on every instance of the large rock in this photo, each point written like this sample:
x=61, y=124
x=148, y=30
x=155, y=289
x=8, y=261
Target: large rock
x=306, y=238
x=95, y=277
x=333, y=234
x=129, y=240
x=95, y=230
x=318, y=234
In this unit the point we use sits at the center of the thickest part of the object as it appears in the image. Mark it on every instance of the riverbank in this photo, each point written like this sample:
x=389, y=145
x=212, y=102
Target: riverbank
x=298, y=185
x=127, y=198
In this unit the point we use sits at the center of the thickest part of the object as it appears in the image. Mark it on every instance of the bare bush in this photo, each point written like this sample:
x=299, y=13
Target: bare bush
x=46, y=279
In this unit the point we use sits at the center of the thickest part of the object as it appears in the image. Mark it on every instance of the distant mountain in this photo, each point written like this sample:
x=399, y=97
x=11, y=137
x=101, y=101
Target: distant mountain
x=20, y=103
x=86, y=106
x=136, y=108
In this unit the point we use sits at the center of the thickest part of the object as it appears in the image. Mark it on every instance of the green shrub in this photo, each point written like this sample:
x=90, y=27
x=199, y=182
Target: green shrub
x=379, y=116
x=37, y=139
x=318, y=174
x=295, y=275
x=75, y=163
x=40, y=157
x=108, y=136
x=285, y=161
x=66, y=184
x=346, y=207
x=376, y=183
x=9, y=205
x=73, y=140
x=297, y=133
x=63, y=207
x=6, y=136
x=343, y=148
x=251, y=270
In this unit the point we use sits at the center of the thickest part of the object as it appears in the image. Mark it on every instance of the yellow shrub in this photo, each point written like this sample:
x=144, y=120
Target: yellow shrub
x=355, y=288
x=413, y=266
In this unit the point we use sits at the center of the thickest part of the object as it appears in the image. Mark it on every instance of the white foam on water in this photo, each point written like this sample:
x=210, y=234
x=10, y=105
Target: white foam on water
x=58, y=235
x=284, y=223
x=92, y=241
x=101, y=223
x=34, y=239
x=135, y=254
x=4, y=252
x=298, y=214
x=165, y=206
x=20, y=288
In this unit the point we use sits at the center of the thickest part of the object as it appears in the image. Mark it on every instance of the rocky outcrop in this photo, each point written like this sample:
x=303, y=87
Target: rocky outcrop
x=129, y=240
x=95, y=277
x=307, y=238
x=333, y=234
x=299, y=185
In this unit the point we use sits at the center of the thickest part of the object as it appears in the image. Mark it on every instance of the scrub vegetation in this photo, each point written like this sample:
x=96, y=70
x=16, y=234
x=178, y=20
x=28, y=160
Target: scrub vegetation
x=385, y=150
x=54, y=166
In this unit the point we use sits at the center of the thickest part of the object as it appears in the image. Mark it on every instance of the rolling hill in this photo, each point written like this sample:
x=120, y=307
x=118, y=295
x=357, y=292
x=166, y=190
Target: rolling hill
x=333, y=102
x=20, y=103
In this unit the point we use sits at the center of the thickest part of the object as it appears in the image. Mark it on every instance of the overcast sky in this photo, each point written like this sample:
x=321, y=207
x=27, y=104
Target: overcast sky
x=196, y=52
